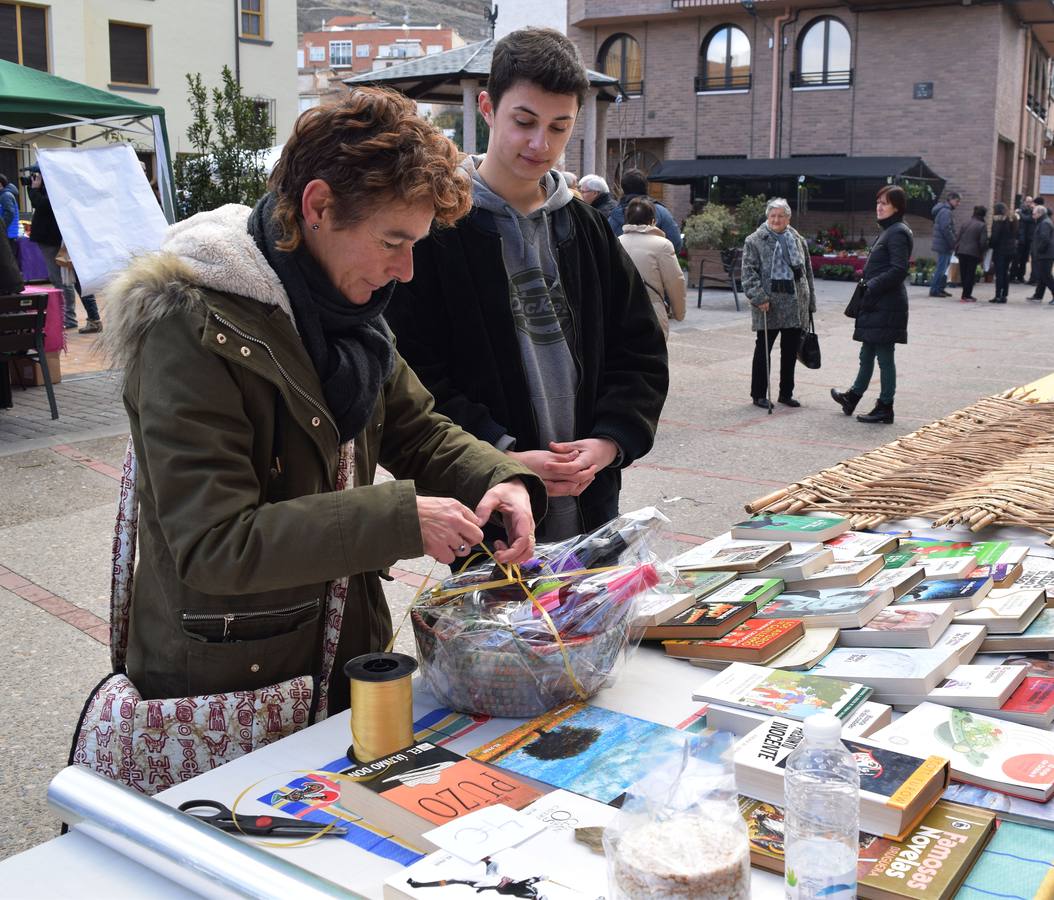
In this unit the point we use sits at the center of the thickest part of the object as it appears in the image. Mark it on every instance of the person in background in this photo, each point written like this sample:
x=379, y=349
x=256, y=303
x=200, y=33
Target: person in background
x=778, y=282
x=970, y=248
x=1026, y=225
x=943, y=241
x=9, y=211
x=44, y=232
x=571, y=180
x=1003, y=243
x=634, y=184
x=882, y=322
x=596, y=193
x=1042, y=252
x=655, y=260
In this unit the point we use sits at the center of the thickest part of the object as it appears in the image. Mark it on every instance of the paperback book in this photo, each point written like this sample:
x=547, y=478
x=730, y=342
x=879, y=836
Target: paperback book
x=929, y=863
x=1003, y=575
x=707, y=619
x=899, y=581
x=1018, y=862
x=897, y=788
x=866, y=718
x=900, y=558
x=963, y=593
x=780, y=527
x=795, y=566
x=413, y=790
x=984, y=553
x=684, y=590
x=796, y=695
x=1006, y=612
x=851, y=544
x=582, y=748
x=732, y=555
x=993, y=753
x=893, y=673
x=804, y=654
x=901, y=625
x=1032, y=703
x=978, y=687
x=1038, y=636
x=850, y=573
x=837, y=607
x=945, y=569
x=756, y=640
x=1037, y=572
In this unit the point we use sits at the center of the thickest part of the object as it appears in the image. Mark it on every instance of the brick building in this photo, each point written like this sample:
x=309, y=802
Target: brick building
x=349, y=45
x=963, y=85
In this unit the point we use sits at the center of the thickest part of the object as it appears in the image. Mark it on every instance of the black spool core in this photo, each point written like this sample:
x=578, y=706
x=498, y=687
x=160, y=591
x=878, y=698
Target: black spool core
x=380, y=667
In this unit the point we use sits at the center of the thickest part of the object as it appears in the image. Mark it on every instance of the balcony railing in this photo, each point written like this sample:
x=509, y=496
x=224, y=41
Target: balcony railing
x=821, y=79
x=691, y=4
x=705, y=84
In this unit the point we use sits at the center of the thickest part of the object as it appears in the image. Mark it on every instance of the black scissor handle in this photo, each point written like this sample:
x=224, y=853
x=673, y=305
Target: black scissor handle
x=220, y=813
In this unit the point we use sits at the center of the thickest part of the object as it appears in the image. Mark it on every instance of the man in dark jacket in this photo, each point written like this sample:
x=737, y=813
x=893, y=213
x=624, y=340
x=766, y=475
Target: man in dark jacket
x=527, y=321
x=1025, y=229
x=943, y=242
x=634, y=184
x=1042, y=253
x=9, y=210
x=596, y=193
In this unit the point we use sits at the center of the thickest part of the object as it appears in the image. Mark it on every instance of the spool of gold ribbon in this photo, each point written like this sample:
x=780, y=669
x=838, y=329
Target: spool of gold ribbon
x=382, y=704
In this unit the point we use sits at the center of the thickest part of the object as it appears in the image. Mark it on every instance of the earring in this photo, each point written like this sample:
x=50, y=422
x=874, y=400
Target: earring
x=314, y=227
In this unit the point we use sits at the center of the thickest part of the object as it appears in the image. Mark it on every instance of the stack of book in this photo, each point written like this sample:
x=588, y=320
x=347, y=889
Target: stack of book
x=898, y=787
x=743, y=695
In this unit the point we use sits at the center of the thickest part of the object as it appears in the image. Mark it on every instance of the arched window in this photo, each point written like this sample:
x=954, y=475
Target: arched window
x=620, y=57
x=824, y=54
x=724, y=60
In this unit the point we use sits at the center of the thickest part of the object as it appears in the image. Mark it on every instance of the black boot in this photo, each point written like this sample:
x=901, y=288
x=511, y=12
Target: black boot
x=847, y=401
x=881, y=414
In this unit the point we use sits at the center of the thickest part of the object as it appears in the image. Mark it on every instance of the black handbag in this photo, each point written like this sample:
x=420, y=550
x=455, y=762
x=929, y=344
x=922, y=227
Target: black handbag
x=852, y=310
x=809, y=348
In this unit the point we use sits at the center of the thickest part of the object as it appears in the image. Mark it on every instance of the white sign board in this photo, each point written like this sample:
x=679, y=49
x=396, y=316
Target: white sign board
x=105, y=209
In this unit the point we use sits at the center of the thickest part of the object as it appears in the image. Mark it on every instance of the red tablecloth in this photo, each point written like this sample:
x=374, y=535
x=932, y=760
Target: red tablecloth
x=857, y=262
x=54, y=336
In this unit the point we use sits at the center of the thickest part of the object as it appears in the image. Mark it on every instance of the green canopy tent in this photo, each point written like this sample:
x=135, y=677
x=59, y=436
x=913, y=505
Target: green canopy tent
x=33, y=103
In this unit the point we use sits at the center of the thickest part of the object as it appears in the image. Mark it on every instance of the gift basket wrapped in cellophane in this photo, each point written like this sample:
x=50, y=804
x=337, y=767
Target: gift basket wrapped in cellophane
x=518, y=641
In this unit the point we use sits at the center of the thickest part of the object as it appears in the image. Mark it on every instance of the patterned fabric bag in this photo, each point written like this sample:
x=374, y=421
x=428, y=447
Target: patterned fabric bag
x=152, y=744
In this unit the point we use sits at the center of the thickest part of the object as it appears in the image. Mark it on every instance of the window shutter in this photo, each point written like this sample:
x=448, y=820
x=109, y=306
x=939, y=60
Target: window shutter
x=129, y=58
x=34, y=38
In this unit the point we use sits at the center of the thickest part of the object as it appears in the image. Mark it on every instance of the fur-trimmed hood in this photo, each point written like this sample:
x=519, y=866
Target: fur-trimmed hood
x=212, y=250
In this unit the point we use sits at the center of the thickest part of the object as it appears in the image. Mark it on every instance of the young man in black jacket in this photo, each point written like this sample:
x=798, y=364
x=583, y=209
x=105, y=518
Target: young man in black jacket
x=527, y=321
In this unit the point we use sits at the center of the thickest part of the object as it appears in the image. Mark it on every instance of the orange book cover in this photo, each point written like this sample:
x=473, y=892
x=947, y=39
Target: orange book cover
x=439, y=785
x=757, y=633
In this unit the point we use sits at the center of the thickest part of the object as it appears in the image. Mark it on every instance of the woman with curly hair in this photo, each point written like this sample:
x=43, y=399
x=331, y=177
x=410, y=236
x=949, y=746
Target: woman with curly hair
x=263, y=389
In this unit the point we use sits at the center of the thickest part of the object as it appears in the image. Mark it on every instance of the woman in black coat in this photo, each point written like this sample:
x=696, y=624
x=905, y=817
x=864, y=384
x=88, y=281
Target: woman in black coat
x=1003, y=243
x=882, y=322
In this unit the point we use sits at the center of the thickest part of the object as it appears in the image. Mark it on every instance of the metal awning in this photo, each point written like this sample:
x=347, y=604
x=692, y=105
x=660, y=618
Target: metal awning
x=818, y=168
x=437, y=78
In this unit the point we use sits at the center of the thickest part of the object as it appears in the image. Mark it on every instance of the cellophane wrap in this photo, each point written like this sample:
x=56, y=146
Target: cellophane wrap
x=679, y=833
x=486, y=648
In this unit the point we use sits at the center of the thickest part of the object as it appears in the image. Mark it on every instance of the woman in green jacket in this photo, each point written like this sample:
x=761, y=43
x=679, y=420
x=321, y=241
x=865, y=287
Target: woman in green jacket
x=263, y=389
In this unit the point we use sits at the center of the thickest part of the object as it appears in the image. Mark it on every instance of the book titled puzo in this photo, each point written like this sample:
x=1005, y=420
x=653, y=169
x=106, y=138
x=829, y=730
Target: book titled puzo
x=896, y=789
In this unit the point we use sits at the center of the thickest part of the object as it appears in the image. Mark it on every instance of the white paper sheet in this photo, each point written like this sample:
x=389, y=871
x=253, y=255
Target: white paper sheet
x=105, y=209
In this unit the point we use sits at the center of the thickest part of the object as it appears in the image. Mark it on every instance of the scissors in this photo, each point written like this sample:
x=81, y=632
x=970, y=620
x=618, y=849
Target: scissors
x=279, y=826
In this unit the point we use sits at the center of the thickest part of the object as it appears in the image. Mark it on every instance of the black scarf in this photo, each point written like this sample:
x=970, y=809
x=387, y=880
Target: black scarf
x=348, y=343
x=890, y=220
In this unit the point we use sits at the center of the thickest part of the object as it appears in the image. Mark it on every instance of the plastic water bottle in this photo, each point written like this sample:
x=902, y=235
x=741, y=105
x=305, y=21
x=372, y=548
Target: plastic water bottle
x=822, y=806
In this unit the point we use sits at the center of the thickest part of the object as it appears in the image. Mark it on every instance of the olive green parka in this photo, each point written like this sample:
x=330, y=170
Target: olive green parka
x=240, y=526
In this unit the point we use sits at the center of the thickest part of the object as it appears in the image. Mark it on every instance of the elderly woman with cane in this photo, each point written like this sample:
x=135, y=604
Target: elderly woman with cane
x=778, y=282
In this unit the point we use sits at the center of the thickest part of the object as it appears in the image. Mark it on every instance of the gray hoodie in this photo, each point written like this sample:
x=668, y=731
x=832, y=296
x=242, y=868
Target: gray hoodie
x=544, y=326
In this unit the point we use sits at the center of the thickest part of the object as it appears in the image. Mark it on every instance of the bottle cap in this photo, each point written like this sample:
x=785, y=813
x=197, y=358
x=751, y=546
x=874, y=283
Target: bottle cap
x=824, y=728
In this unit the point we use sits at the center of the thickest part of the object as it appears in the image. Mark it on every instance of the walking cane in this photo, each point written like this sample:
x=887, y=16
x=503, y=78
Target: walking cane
x=768, y=362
